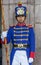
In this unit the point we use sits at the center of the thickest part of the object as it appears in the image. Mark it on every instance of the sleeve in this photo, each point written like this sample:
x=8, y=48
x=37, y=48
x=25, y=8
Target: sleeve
x=9, y=35
x=32, y=42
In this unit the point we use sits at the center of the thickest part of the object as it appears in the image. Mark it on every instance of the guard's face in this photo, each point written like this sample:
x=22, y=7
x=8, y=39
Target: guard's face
x=20, y=19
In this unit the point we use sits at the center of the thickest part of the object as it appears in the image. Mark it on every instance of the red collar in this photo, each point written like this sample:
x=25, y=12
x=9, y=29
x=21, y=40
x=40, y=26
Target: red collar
x=21, y=24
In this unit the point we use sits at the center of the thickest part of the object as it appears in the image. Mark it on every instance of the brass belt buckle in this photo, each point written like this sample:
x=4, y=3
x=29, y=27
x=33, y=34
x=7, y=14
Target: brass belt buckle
x=20, y=45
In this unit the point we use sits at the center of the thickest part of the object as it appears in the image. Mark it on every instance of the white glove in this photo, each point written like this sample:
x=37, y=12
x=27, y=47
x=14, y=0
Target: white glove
x=31, y=60
x=3, y=35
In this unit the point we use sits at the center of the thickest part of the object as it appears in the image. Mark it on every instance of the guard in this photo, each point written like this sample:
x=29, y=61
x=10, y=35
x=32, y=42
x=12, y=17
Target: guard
x=22, y=37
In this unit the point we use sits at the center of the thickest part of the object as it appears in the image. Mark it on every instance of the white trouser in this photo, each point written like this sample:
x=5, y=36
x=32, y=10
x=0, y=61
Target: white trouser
x=20, y=58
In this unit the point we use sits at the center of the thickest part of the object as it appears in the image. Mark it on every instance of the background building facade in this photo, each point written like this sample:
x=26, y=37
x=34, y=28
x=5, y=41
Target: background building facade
x=33, y=17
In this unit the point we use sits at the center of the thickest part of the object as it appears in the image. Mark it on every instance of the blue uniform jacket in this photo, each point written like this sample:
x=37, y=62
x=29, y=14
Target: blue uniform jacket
x=24, y=35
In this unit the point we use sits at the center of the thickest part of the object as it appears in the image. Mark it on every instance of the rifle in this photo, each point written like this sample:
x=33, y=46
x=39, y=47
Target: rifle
x=4, y=29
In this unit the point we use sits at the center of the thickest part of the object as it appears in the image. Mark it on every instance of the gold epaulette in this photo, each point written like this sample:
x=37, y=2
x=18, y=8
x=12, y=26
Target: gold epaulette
x=29, y=25
x=12, y=25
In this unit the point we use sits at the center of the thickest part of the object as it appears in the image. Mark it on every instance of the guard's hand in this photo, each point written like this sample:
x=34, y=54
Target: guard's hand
x=3, y=35
x=31, y=60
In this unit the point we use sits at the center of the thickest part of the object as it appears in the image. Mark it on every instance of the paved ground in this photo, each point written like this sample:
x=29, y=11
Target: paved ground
x=37, y=60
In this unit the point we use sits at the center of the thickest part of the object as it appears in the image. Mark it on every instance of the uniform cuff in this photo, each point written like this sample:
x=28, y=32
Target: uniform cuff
x=32, y=54
x=4, y=42
x=0, y=41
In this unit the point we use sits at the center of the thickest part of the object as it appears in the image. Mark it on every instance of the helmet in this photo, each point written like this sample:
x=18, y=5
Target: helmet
x=20, y=10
